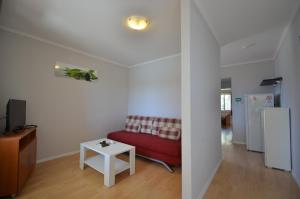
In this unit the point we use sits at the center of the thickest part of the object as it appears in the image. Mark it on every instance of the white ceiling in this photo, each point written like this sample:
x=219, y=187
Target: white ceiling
x=97, y=26
x=237, y=23
x=262, y=46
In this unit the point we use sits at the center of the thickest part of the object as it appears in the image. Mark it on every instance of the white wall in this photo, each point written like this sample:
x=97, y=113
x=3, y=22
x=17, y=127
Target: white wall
x=66, y=111
x=245, y=79
x=154, y=88
x=287, y=65
x=201, y=85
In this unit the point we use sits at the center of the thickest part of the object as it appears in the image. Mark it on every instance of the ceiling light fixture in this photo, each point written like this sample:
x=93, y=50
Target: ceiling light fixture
x=137, y=22
x=248, y=45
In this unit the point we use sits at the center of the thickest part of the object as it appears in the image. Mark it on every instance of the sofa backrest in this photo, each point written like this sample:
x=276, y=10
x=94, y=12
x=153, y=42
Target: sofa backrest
x=151, y=125
x=145, y=122
x=160, y=122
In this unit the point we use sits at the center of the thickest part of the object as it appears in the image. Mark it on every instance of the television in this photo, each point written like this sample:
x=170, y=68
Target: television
x=15, y=115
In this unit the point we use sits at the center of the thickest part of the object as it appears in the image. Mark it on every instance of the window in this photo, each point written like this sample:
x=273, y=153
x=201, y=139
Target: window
x=225, y=102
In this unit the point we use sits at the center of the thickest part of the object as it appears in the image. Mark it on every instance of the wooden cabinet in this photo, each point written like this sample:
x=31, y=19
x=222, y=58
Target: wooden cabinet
x=17, y=160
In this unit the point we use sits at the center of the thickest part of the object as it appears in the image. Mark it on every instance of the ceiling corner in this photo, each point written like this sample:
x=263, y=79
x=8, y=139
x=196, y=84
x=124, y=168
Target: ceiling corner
x=205, y=15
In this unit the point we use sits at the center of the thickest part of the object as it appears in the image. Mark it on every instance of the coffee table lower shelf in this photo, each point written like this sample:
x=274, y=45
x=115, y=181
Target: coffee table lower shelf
x=106, y=161
x=97, y=163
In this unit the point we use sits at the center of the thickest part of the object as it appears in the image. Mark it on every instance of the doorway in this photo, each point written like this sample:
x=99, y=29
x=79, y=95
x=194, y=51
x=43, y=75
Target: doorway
x=226, y=110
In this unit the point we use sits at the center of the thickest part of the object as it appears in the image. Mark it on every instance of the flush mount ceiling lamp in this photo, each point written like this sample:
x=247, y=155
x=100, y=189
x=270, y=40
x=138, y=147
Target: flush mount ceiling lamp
x=248, y=45
x=138, y=23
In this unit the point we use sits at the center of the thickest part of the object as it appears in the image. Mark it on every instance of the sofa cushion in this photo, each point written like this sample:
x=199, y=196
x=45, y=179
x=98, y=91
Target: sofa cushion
x=170, y=133
x=132, y=118
x=146, y=124
x=159, y=122
x=150, y=142
x=133, y=126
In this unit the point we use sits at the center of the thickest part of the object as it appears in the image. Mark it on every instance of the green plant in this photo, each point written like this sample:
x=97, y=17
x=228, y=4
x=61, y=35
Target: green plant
x=80, y=74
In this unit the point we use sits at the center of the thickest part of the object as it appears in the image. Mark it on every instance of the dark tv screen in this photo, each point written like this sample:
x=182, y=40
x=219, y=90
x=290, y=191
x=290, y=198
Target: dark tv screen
x=15, y=115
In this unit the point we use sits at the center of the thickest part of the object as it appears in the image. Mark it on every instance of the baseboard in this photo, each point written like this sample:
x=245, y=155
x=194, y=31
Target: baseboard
x=56, y=157
x=238, y=142
x=295, y=178
x=204, y=190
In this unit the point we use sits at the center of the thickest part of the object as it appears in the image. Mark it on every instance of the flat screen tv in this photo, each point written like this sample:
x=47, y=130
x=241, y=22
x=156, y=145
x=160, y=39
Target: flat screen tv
x=15, y=115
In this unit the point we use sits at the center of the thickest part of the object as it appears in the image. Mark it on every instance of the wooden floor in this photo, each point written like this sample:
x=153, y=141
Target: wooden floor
x=242, y=175
x=62, y=178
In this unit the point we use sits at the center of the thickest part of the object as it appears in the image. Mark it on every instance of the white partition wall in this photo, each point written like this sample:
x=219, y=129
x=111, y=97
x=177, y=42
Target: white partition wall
x=63, y=108
x=287, y=65
x=154, y=88
x=201, y=144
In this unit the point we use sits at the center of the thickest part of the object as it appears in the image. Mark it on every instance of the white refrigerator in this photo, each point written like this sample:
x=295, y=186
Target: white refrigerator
x=254, y=104
x=276, y=128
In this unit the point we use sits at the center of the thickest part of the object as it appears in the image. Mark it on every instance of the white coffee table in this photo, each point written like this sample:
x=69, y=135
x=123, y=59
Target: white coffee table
x=106, y=161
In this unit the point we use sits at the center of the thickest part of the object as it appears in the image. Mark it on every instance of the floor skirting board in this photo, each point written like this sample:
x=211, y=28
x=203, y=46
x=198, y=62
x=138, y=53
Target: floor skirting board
x=296, y=179
x=205, y=188
x=57, y=156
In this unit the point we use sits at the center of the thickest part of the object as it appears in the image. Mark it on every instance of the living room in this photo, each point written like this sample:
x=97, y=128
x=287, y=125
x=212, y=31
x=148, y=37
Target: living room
x=103, y=78
x=145, y=80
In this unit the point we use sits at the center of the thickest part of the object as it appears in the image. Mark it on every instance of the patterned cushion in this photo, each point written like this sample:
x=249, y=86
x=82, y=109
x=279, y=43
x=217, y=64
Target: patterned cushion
x=132, y=124
x=146, y=124
x=170, y=133
x=165, y=122
x=132, y=118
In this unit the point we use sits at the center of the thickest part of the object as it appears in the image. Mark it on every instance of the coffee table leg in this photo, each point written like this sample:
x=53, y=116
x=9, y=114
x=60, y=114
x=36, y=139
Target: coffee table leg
x=109, y=171
x=82, y=156
x=132, y=161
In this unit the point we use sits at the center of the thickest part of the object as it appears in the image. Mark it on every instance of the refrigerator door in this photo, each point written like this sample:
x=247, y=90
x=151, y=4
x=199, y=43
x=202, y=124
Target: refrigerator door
x=276, y=124
x=254, y=106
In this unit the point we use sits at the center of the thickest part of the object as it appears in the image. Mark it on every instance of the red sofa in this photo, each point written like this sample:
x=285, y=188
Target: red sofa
x=164, y=151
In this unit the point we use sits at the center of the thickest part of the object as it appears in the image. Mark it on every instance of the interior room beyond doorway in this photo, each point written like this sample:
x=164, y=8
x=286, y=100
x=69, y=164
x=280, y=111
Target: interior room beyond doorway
x=226, y=110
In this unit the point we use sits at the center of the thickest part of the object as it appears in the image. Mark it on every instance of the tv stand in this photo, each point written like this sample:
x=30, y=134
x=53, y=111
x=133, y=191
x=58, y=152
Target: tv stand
x=18, y=160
